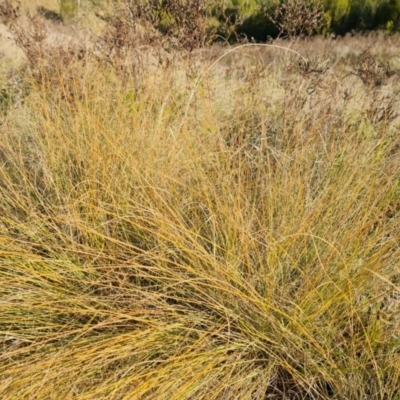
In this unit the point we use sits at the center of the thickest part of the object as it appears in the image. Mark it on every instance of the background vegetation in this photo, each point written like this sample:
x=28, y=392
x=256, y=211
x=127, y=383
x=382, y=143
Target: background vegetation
x=340, y=16
x=183, y=222
x=235, y=20
x=257, y=18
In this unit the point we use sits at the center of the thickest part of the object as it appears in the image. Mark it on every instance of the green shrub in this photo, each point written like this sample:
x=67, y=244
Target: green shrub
x=69, y=9
x=345, y=15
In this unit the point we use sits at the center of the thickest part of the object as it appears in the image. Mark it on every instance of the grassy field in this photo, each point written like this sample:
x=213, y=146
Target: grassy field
x=219, y=224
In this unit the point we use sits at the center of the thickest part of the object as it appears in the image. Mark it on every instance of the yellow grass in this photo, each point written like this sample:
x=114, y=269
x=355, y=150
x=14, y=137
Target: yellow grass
x=201, y=230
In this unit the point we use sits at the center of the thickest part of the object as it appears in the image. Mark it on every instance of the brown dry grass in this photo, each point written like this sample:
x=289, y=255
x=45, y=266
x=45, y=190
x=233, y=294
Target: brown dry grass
x=222, y=224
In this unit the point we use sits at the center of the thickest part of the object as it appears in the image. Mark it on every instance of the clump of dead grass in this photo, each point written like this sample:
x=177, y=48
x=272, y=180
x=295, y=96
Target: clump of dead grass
x=221, y=230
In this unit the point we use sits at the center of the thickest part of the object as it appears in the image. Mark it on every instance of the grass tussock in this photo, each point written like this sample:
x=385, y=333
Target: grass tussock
x=220, y=229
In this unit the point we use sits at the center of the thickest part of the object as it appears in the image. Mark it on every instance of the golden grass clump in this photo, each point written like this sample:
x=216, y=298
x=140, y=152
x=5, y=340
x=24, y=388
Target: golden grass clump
x=217, y=229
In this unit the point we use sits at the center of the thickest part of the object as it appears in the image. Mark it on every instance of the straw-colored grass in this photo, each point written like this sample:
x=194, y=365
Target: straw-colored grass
x=228, y=233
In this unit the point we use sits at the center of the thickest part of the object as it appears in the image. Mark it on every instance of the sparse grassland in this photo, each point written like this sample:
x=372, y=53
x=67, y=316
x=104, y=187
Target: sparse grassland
x=219, y=224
